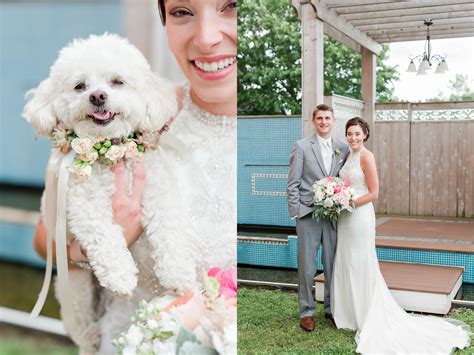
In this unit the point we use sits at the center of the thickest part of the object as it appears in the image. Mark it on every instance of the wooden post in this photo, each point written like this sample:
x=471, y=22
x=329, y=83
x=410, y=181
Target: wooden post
x=368, y=89
x=312, y=74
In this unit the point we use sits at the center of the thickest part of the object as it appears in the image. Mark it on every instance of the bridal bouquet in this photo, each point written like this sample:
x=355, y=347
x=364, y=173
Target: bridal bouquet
x=332, y=195
x=203, y=322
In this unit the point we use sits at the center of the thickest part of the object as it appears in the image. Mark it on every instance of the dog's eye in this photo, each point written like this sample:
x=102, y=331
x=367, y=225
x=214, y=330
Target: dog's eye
x=80, y=87
x=117, y=82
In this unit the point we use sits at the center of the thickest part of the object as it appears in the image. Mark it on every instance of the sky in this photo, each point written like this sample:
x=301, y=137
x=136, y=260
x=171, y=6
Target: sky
x=460, y=59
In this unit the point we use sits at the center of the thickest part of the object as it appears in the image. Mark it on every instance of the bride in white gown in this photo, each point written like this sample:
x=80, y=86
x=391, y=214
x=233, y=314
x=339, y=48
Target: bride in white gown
x=360, y=299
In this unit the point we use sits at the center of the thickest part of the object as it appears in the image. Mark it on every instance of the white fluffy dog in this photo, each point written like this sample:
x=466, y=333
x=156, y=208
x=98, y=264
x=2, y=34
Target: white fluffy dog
x=102, y=88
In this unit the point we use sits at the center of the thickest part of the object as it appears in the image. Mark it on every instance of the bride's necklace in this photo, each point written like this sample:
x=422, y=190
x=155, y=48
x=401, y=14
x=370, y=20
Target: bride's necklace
x=207, y=118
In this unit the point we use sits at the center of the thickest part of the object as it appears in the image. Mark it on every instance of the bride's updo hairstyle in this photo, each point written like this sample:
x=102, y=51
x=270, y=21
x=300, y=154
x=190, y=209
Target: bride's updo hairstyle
x=162, y=11
x=357, y=121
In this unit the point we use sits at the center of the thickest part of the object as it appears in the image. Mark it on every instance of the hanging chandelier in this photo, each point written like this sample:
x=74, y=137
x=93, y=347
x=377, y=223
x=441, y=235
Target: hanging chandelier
x=426, y=59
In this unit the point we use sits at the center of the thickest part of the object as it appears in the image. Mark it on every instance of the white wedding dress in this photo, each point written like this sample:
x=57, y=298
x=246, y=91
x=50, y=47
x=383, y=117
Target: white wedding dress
x=194, y=219
x=361, y=300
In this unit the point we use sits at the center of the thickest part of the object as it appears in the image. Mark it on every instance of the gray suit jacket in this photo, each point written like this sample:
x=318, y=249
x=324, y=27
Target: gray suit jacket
x=307, y=167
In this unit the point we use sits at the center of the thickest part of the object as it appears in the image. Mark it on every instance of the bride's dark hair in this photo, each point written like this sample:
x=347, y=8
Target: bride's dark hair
x=162, y=11
x=357, y=121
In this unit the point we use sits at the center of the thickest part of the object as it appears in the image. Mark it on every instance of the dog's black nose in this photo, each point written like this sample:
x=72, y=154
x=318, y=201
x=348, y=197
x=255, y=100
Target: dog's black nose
x=97, y=98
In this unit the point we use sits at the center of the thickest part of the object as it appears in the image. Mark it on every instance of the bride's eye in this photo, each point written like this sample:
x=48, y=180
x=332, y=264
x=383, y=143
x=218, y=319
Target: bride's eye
x=180, y=13
x=230, y=6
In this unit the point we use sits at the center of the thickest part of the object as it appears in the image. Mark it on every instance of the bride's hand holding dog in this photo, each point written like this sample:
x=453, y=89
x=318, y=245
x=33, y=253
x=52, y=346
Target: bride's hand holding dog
x=126, y=207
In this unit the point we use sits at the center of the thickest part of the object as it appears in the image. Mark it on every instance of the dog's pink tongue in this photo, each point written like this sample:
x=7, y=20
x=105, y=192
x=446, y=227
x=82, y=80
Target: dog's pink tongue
x=101, y=115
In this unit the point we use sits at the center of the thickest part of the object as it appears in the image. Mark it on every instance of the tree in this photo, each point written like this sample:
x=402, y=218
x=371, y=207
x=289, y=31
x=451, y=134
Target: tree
x=459, y=89
x=269, y=78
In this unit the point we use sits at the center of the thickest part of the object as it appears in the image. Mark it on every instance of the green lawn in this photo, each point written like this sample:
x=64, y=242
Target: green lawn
x=268, y=322
x=18, y=341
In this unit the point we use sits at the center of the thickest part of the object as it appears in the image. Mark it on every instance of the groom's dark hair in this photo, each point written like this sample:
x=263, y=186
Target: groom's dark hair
x=322, y=107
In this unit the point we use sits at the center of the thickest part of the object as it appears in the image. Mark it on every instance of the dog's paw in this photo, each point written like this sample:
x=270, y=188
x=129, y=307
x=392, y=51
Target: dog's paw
x=121, y=281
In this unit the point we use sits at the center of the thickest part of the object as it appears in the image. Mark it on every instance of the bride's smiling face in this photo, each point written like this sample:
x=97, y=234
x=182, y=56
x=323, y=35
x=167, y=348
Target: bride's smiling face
x=355, y=137
x=202, y=34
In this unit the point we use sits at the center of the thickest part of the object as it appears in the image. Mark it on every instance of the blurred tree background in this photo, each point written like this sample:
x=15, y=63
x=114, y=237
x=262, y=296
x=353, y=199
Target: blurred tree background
x=269, y=55
x=459, y=89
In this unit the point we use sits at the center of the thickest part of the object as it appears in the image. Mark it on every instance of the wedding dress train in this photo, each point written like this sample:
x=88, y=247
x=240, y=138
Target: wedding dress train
x=361, y=300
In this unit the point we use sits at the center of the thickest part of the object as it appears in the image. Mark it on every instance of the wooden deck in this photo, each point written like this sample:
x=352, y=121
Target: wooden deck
x=416, y=287
x=450, y=236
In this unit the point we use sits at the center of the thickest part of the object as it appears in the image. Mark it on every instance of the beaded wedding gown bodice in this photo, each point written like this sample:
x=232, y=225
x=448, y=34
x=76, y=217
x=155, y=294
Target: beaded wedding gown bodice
x=190, y=212
x=360, y=298
x=352, y=172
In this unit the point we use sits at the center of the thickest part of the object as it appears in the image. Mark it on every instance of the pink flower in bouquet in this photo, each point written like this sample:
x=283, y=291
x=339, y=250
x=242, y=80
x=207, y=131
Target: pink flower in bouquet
x=337, y=189
x=346, y=183
x=227, y=280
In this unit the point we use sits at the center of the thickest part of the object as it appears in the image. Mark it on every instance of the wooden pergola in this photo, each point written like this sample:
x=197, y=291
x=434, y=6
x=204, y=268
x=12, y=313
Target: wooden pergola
x=364, y=25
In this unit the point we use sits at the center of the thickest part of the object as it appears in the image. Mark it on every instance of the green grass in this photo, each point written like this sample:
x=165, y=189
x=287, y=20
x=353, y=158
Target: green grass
x=268, y=322
x=18, y=341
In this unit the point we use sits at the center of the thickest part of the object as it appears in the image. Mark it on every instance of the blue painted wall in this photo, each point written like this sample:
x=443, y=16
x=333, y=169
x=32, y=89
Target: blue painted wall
x=263, y=157
x=31, y=34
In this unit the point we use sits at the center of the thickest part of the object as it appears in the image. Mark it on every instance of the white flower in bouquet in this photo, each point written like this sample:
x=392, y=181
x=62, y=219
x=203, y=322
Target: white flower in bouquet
x=81, y=169
x=167, y=347
x=132, y=151
x=90, y=156
x=328, y=203
x=115, y=152
x=134, y=336
x=81, y=145
x=318, y=195
x=329, y=190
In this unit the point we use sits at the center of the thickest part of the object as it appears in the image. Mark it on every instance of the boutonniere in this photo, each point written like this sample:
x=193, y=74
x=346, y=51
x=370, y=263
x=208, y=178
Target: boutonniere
x=337, y=152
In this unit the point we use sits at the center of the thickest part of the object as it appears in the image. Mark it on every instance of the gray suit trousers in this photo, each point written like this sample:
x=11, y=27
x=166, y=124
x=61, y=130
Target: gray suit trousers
x=311, y=234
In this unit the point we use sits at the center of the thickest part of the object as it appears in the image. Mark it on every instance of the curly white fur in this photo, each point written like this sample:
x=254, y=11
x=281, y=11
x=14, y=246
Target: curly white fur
x=139, y=101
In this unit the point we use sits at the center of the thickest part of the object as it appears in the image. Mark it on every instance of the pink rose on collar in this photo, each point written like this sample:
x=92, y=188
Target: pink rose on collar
x=227, y=280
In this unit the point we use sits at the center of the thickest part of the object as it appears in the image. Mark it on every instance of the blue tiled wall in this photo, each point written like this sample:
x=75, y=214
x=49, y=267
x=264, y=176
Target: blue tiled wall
x=285, y=255
x=31, y=34
x=264, y=148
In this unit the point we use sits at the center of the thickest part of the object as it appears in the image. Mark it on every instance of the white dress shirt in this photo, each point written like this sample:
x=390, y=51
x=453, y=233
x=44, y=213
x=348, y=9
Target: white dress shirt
x=326, y=152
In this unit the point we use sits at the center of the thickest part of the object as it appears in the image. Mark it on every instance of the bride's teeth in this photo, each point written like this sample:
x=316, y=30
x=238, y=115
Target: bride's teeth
x=214, y=66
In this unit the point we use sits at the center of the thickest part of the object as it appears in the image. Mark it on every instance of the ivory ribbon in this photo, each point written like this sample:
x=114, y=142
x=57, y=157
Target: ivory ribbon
x=57, y=175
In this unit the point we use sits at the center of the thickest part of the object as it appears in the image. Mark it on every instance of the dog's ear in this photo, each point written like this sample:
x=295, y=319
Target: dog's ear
x=39, y=109
x=161, y=103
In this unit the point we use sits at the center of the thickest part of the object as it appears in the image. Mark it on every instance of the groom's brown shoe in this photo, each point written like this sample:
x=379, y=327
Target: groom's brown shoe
x=307, y=323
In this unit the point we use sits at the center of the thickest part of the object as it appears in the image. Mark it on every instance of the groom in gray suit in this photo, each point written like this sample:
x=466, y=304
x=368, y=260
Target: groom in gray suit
x=313, y=159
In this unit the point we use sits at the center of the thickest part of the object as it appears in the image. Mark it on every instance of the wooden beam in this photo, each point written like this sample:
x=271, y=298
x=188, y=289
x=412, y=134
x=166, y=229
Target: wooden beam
x=420, y=29
x=420, y=38
x=402, y=23
x=433, y=34
x=312, y=74
x=408, y=18
x=343, y=3
x=368, y=88
x=426, y=12
x=398, y=5
x=342, y=38
x=343, y=26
